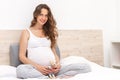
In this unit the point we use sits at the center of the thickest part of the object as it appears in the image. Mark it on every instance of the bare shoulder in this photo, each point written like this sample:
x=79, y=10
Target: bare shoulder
x=25, y=33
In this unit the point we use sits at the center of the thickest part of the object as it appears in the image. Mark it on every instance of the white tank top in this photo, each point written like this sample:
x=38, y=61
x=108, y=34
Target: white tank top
x=39, y=50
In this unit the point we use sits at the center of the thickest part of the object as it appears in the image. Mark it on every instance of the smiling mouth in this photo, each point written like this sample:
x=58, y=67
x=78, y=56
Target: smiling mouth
x=43, y=21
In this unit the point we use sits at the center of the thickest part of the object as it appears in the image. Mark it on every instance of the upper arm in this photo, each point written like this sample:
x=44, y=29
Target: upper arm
x=23, y=43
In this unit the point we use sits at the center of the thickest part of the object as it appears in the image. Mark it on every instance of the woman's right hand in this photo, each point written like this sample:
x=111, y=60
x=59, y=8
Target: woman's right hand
x=44, y=70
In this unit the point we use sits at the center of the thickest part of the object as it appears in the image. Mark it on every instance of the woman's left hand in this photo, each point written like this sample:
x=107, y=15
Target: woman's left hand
x=56, y=69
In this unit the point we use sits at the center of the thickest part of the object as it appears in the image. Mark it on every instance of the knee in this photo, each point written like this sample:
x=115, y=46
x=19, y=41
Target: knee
x=22, y=70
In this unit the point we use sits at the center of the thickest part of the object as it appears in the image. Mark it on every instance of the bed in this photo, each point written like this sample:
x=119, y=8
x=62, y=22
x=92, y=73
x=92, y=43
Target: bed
x=97, y=72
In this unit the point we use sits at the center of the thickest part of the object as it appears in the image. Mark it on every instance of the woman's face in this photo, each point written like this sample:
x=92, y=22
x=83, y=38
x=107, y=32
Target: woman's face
x=42, y=17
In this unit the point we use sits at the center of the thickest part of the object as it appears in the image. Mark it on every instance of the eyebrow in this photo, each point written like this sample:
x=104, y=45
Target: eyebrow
x=45, y=14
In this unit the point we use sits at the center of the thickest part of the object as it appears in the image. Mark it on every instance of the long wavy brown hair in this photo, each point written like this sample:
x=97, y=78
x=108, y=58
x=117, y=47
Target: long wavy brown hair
x=49, y=27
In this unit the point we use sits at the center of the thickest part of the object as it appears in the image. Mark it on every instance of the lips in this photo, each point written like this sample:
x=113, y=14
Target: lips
x=42, y=21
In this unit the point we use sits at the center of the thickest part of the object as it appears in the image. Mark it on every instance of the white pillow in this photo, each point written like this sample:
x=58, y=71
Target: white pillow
x=7, y=71
x=73, y=59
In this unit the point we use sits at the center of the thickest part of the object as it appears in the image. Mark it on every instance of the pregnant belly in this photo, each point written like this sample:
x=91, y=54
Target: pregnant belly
x=41, y=55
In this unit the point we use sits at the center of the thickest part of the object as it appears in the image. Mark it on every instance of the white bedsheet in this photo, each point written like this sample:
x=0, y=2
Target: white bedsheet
x=98, y=72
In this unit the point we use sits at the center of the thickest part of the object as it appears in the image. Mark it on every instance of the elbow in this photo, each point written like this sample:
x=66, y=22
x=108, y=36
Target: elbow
x=22, y=58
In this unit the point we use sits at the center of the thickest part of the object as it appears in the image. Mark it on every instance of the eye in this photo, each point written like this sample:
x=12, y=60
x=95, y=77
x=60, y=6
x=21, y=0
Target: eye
x=40, y=14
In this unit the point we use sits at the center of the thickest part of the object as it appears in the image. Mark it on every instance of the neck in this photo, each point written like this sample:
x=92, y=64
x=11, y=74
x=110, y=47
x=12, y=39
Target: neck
x=38, y=26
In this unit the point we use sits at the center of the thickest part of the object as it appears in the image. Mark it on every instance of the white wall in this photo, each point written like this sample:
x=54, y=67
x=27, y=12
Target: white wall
x=69, y=14
x=118, y=17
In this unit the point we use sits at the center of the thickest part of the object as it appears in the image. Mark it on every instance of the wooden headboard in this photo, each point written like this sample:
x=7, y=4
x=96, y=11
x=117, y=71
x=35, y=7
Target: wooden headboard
x=85, y=43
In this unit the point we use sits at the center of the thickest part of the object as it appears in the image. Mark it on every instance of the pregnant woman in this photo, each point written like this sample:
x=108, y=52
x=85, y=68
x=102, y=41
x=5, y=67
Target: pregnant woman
x=37, y=49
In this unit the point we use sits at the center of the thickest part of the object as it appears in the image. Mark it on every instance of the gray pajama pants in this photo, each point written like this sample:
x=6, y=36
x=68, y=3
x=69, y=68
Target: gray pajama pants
x=28, y=71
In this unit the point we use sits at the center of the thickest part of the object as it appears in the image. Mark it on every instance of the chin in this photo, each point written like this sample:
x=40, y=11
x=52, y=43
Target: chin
x=41, y=24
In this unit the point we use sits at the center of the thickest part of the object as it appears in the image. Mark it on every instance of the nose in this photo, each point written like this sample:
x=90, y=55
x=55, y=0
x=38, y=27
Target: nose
x=44, y=17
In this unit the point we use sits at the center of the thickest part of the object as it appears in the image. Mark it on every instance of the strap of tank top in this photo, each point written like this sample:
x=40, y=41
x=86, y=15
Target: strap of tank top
x=30, y=33
x=28, y=30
